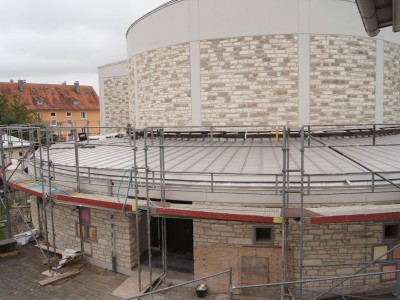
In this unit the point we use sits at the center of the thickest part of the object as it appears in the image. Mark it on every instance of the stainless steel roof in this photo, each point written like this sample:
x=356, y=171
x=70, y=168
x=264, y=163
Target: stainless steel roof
x=250, y=156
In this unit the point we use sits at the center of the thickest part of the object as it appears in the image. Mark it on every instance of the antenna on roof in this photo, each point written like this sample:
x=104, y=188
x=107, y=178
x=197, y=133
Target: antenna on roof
x=76, y=87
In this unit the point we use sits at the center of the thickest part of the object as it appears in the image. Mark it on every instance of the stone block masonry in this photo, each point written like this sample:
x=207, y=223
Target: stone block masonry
x=66, y=219
x=219, y=245
x=337, y=249
x=342, y=79
x=391, y=101
x=116, y=99
x=164, y=89
x=249, y=80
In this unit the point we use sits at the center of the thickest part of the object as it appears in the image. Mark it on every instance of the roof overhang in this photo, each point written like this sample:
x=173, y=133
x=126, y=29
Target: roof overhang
x=377, y=14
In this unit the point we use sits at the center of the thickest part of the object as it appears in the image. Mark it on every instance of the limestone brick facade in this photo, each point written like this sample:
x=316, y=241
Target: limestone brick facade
x=116, y=99
x=164, y=90
x=249, y=80
x=391, y=101
x=338, y=249
x=66, y=219
x=342, y=79
x=219, y=245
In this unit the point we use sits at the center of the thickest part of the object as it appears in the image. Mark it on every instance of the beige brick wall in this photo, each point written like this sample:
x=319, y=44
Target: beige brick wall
x=391, y=101
x=249, y=80
x=131, y=91
x=164, y=90
x=116, y=100
x=340, y=249
x=219, y=245
x=342, y=79
x=66, y=218
x=215, y=232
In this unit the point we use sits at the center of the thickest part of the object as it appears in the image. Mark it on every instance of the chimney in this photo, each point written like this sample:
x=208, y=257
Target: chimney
x=76, y=87
x=12, y=80
x=20, y=85
x=64, y=83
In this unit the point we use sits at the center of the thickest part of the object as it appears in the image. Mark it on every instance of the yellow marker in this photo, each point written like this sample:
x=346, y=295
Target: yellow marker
x=276, y=136
x=277, y=220
x=74, y=193
x=134, y=207
x=27, y=182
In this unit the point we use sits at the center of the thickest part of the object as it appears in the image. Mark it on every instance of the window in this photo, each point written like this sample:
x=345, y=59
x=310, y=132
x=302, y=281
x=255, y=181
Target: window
x=263, y=235
x=53, y=122
x=379, y=251
x=73, y=100
x=53, y=114
x=38, y=116
x=69, y=122
x=69, y=114
x=391, y=231
x=389, y=276
x=88, y=231
x=83, y=115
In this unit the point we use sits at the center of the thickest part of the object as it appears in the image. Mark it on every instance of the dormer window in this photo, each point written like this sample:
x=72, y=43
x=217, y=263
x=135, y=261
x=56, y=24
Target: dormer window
x=74, y=101
x=38, y=100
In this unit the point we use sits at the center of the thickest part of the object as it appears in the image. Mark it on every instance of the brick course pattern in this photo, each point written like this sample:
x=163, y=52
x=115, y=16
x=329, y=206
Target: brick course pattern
x=164, y=90
x=338, y=249
x=116, y=99
x=391, y=101
x=249, y=80
x=214, y=232
x=342, y=79
x=66, y=218
x=219, y=245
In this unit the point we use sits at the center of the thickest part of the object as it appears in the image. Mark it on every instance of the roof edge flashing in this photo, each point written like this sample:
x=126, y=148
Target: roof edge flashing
x=169, y=3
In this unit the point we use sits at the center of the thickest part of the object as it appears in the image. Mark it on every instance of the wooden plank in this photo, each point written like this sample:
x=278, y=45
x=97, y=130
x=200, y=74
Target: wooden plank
x=58, y=277
x=7, y=254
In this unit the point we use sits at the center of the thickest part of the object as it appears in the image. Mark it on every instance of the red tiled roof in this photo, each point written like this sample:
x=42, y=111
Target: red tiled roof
x=54, y=96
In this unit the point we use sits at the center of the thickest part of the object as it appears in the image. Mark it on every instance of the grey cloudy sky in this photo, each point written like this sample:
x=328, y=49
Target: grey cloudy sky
x=48, y=41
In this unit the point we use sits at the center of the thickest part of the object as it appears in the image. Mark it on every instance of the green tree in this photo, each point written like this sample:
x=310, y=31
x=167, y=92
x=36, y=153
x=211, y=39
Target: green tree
x=14, y=110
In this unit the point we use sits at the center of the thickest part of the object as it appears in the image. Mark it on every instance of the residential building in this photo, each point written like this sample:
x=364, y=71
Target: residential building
x=59, y=105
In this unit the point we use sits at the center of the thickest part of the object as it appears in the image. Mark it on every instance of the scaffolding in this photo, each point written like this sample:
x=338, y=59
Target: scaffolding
x=146, y=183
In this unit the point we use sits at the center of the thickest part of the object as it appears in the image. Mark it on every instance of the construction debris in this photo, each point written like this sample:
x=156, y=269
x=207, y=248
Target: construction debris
x=57, y=277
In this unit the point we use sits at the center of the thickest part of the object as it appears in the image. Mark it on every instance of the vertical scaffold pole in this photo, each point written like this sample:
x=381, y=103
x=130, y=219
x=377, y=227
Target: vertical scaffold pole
x=284, y=171
x=44, y=208
x=162, y=190
x=3, y=171
x=148, y=210
x=50, y=199
x=78, y=182
x=302, y=137
x=33, y=140
x=137, y=213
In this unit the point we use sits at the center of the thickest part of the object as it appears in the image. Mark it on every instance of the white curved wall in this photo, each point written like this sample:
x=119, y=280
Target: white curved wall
x=254, y=62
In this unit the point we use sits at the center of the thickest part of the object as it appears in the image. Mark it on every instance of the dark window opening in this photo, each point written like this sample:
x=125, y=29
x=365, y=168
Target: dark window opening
x=391, y=231
x=263, y=235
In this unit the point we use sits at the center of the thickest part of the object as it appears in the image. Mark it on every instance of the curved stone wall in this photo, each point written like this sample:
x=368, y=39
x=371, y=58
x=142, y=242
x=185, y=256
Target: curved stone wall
x=163, y=83
x=342, y=79
x=195, y=63
x=249, y=80
x=391, y=101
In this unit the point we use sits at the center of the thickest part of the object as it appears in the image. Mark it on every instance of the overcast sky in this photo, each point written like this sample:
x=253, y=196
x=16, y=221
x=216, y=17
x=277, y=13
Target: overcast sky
x=48, y=41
